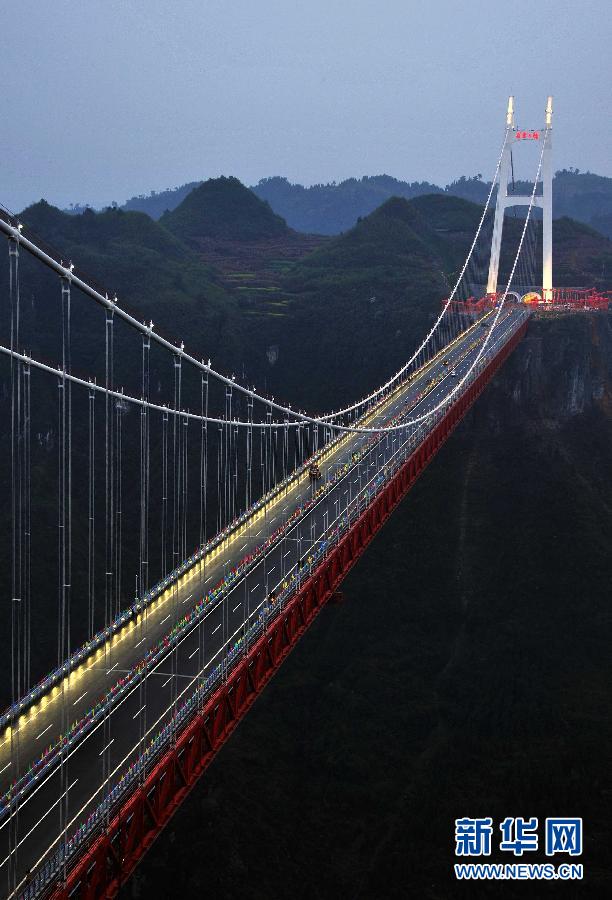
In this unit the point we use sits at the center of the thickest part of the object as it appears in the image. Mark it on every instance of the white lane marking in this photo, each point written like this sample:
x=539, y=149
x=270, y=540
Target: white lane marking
x=288, y=553
x=242, y=548
x=216, y=629
x=273, y=520
x=166, y=619
x=79, y=698
x=90, y=734
x=118, y=706
x=45, y=731
x=104, y=749
x=256, y=586
x=5, y=767
x=208, y=579
x=118, y=766
x=135, y=716
x=139, y=643
x=194, y=653
x=236, y=607
x=187, y=598
x=257, y=533
x=108, y=671
x=44, y=815
x=271, y=570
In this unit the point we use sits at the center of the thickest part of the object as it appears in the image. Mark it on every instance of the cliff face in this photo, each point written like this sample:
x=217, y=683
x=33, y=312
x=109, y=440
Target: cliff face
x=468, y=672
x=564, y=368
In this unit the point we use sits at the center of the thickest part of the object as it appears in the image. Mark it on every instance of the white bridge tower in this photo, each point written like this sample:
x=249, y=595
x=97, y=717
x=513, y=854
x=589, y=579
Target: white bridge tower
x=544, y=201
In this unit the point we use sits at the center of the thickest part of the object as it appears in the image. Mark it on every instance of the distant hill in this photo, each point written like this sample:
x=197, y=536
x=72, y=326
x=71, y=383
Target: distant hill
x=223, y=209
x=584, y=196
x=333, y=208
x=156, y=203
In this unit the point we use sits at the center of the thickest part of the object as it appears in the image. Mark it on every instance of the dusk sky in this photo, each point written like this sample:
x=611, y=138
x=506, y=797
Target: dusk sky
x=103, y=99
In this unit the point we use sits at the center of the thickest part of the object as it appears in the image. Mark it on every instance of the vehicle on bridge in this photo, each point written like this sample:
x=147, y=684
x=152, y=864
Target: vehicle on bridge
x=314, y=472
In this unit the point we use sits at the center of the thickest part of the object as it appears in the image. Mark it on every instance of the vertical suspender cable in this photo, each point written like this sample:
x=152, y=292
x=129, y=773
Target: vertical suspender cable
x=203, y=457
x=226, y=454
x=176, y=519
x=219, y=478
x=91, y=530
x=286, y=446
x=235, y=510
x=218, y=499
x=230, y=457
x=176, y=464
x=249, y=454
x=203, y=524
x=185, y=485
x=262, y=462
x=16, y=562
x=109, y=537
x=268, y=440
x=27, y=524
x=164, y=526
x=65, y=542
x=118, y=554
x=144, y=470
x=143, y=570
x=273, y=448
x=108, y=469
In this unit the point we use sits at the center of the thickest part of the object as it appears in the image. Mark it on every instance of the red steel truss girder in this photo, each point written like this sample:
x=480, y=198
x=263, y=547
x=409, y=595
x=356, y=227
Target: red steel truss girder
x=112, y=857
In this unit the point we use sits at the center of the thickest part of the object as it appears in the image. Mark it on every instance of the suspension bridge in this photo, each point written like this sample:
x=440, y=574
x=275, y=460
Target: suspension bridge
x=156, y=652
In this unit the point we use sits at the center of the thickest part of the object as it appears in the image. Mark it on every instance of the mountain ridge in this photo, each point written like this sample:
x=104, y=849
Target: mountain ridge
x=335, y=206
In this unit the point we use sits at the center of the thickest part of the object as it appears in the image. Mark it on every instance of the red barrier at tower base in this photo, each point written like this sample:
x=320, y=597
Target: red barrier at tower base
x=111, y=858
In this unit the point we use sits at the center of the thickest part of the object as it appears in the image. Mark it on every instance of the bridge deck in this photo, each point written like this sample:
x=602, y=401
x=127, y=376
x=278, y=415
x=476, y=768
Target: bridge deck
x=96, y=762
